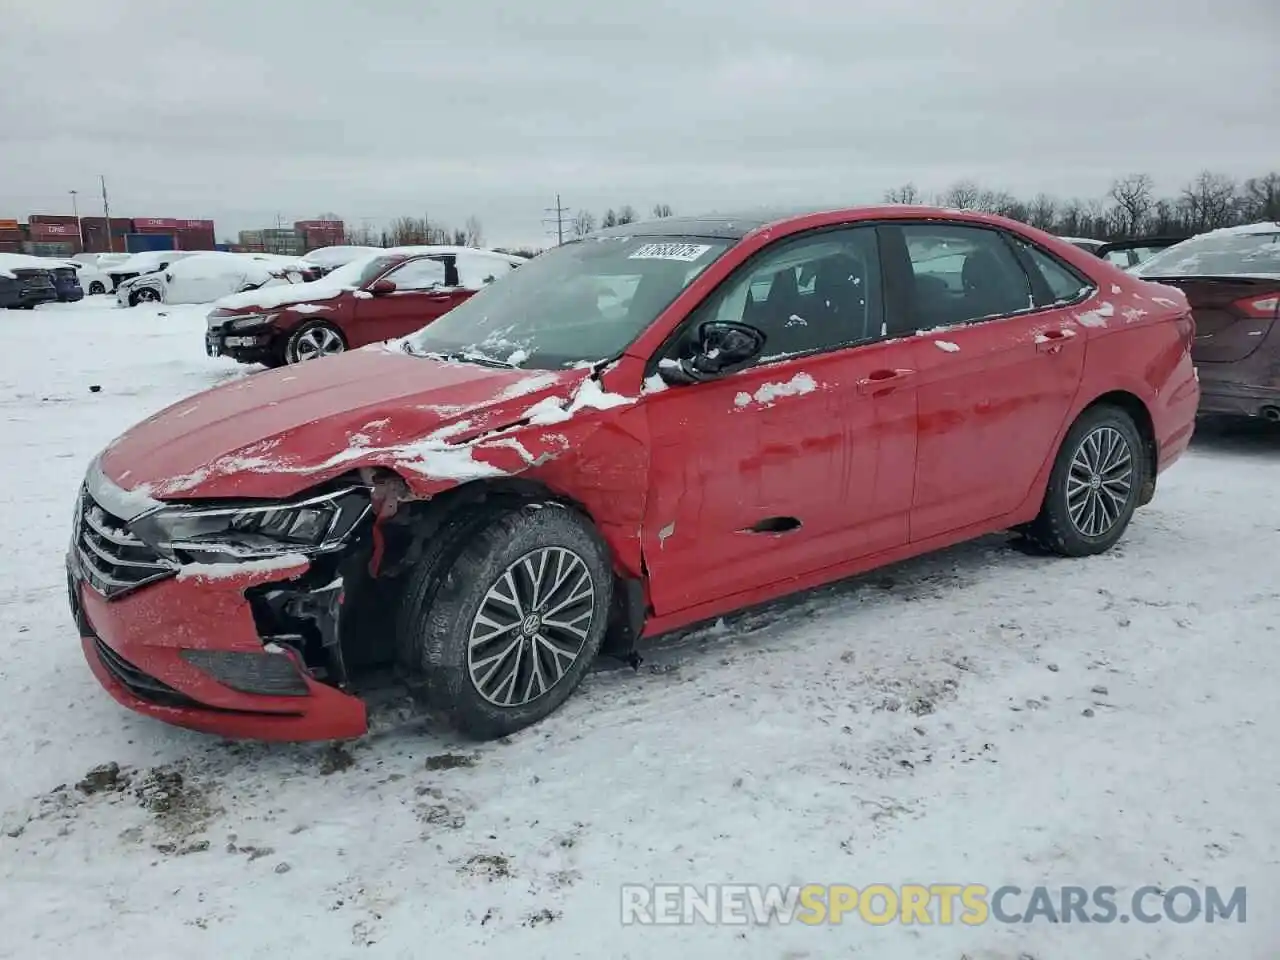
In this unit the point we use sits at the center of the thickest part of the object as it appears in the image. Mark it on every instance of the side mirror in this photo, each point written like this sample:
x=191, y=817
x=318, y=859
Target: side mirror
x=381, y=288
x=722, y=349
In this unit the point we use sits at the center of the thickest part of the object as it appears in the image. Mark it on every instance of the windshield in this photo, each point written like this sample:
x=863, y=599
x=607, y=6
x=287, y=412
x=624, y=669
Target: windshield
x=578, y=303
x=1230, y=253
x=359, y=272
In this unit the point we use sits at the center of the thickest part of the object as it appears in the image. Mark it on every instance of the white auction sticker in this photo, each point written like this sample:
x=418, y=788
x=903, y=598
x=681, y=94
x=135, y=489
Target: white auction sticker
x=687, y=252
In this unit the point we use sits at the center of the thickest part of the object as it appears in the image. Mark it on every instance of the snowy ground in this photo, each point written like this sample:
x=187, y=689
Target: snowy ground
x=925, y=724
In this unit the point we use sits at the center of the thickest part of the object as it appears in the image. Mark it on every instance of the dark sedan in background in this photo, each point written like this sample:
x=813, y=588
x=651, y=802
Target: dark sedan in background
x=1231, y=278
x=25, y=282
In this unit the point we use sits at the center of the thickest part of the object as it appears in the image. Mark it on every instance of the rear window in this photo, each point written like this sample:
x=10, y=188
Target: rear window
x=1236, y=252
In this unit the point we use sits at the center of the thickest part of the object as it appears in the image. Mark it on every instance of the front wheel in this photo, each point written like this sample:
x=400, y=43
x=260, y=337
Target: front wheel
x=502, y=632
x=314, y=340
x=1095, y=485
x=96, y=288
x=145, y=295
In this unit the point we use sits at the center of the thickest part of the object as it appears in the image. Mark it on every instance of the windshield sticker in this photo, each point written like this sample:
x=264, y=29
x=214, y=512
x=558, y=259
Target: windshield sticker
x=686, y=252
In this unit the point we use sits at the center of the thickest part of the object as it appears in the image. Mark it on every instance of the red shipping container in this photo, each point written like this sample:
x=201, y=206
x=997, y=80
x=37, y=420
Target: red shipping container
x=50, y=218
x=8, y=225
x=195, y=239
x=118, y=224
x=11, y=235
x=195, y=225
x=154, y=225
x=54, y=231
x=10, y=246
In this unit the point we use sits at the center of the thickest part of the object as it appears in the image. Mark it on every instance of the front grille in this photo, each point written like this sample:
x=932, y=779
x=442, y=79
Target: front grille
x=112, y=559
x=141, y=685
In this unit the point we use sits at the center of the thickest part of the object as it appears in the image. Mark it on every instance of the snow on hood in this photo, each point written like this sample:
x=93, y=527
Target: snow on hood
x=273, y=434
x=326, y=288
x=20, y=261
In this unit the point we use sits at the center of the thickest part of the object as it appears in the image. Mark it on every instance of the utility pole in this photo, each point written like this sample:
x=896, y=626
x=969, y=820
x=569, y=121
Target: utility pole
x=559, y=219
x=76, y=213
x=106, y=213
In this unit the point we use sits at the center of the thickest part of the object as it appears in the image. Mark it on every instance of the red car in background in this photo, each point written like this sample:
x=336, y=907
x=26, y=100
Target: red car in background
x=632, y=432
x=375, y=297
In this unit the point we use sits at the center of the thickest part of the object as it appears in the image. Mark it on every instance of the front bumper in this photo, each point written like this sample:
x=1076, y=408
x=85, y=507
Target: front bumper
x=252, y=347
x=134, y=645
x=71, y=295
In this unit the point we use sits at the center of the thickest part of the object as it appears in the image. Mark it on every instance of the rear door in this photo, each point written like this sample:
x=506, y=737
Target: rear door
x=998, y=364
x=425, y=290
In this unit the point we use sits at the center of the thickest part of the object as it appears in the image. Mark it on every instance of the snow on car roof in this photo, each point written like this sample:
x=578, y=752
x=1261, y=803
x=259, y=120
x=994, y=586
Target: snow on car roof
x=21, y=261
x=1248, y=250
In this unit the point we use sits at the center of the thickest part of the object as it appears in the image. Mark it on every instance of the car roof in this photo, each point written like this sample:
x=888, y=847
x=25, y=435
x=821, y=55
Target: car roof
x=736, y=225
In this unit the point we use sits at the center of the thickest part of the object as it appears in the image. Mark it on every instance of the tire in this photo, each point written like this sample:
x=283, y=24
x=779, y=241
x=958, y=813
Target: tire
x=1084, y=512
x=96, y=288
x=511, y=675
x=314, y=340
x=145, y=295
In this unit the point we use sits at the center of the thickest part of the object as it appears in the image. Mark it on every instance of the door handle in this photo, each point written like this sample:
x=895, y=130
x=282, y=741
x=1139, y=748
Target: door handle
x=1051, y=341
x=879, y=379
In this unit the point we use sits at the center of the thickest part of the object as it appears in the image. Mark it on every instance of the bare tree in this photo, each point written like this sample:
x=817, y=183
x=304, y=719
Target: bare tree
x=962, y=195
x=1042, y=211
x=406, y=231
x=1261, y=200
x=627, y=214
x=661, y=210
x=610, y=219
x=907, y=193
x=1210, y=200
x=1133, y=195
x=583, y=224
x=474, y=232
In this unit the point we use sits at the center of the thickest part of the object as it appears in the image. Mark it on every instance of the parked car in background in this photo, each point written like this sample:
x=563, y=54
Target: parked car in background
x=1231, y=278
x=533, y=477
x=1084, y=243
x=138, y=264
x=93, y=275
x=380, y=296
x=25, y=282
x=296, y=269
x=66, y=280
x=329, y=259
x=206, y=277
x=1129, y=253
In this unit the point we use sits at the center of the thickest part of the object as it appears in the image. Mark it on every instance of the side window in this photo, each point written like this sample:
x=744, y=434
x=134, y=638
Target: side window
x=420, y=274
x=962, y=274
x=1063, y=282
x=806, y=295
x=476, y=271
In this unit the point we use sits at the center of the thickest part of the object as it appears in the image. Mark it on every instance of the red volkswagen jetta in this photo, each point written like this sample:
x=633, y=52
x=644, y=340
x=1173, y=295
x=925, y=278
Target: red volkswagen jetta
x=633, y=432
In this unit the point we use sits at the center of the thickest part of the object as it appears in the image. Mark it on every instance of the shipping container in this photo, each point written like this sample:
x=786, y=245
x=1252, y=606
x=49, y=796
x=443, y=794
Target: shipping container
x=50, y=218
x=12, y=236
x=54, y=231
x=154, y=225
x=195, y=239
x=45, y=249
x=10, y=246
x=196, y=225
x=119, y=225
x=141, y=242
x=9, y=225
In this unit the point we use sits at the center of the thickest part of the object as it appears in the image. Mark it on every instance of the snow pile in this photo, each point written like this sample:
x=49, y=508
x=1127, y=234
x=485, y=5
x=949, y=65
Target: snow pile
x=589, y=395
x=768, y=393
x=1097, y=317
x=947, y=346
x=242, y=568
x=20, y=261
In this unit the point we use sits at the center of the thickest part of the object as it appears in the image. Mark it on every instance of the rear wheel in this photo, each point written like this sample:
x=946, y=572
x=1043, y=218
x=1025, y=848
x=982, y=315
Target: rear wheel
x=313, y=340
x=501, y=628
x=1095, y=485
x=96, y=287
x=145, y=295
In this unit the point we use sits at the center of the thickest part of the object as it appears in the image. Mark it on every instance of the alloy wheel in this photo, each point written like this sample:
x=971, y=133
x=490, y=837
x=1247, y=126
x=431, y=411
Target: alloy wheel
x=1100, y=481
x=316, y=342
x=531, y=626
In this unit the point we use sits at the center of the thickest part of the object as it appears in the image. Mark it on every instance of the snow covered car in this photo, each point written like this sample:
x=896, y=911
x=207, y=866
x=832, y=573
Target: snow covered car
x=206, y=277
x=66, y=283
x=383, y=295
x=533, y=478
x=25, y=282
x=91, y=271
x=328, y=259
x=1231, y=277
x=142, y=264
x=1085, y=243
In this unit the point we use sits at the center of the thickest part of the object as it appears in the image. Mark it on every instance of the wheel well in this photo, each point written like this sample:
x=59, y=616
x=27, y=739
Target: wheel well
x=415, y=522
x=1133, y=405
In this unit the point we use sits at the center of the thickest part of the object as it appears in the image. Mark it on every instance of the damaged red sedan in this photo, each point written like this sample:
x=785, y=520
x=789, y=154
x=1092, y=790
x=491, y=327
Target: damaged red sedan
x=633, y=432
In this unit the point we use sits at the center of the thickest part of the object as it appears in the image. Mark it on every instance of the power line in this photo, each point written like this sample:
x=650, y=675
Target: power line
x=560, y=219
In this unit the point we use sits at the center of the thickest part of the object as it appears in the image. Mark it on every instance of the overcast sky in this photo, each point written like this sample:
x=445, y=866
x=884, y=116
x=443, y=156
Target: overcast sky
x=242, y=111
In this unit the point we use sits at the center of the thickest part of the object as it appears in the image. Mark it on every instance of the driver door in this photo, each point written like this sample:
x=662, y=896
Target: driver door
x=803, y=460
x=423, y=293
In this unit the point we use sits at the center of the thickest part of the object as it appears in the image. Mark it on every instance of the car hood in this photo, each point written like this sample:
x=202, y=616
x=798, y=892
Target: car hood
x=276, y=433
x=284, y=296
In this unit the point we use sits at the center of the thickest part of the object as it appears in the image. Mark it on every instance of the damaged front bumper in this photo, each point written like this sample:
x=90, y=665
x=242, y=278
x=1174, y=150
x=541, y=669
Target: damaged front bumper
x=188, y=651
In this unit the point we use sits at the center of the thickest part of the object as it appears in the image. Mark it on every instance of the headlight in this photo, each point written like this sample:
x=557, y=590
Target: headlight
x=253, y=530
x=252, y=321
